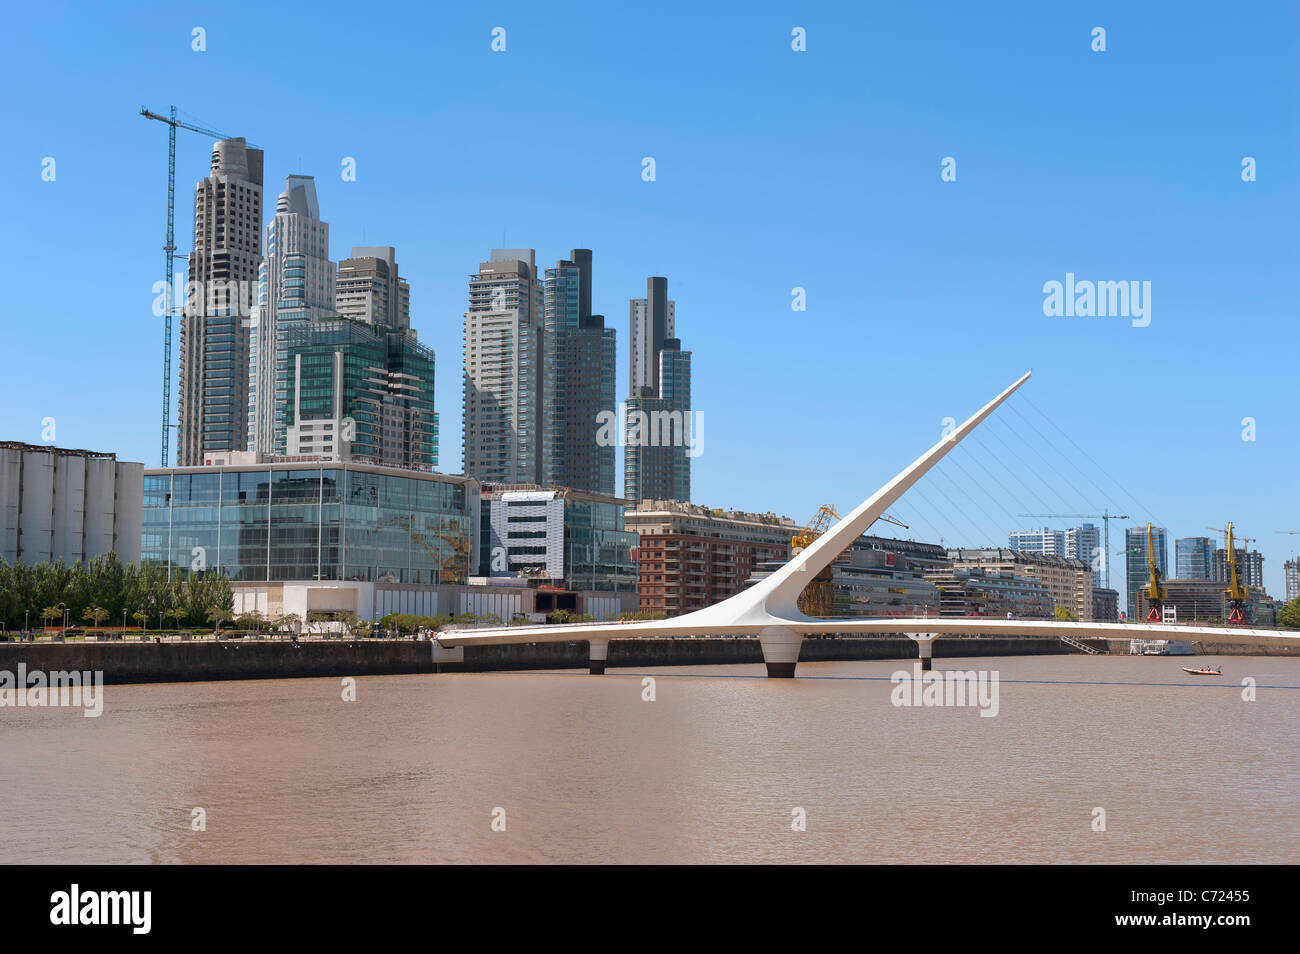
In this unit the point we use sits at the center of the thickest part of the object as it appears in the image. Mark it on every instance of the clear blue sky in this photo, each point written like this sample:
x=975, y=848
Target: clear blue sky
x=775, y=169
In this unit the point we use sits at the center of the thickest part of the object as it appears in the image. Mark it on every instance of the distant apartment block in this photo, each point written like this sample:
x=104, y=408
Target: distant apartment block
x=657, y=438
x=690, y=556
x=223, y=274
x=578, y=380
x=368, y=288
x=1105, y=605
x=1044, y=541
x=503, y=367
x=1292, y=571
x=1068, y=580
x=1250, y=566
x=70, y=505
x=1085, y=543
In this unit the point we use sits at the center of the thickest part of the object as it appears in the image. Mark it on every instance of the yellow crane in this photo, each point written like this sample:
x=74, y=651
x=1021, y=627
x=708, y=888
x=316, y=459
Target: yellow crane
x=1236, y=593
x=1156, y=592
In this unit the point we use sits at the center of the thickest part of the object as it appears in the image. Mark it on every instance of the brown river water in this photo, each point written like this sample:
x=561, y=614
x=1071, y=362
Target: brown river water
x=712, y=770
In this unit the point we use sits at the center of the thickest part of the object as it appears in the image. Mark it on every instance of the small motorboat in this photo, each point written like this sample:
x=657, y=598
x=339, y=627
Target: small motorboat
x=1203, y=671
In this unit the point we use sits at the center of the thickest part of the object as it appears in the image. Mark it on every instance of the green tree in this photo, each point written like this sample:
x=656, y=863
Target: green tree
x=1289, y=616
x=95, y=615
x=1064, y=613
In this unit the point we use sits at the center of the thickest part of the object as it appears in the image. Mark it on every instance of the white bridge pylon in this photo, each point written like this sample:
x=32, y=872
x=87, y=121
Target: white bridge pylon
x=770, y=610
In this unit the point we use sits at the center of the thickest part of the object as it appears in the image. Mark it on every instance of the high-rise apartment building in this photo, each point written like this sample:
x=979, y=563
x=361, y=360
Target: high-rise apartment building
x=503, y=368
x=1135, y=561
x=369, y=288
x=1250, y=566
x=1194, y=558
x=658, y=438
x=295, y=290
x=223, y=278
x=1084, y=543
x=578, y=381
x=1292, y=570
x=1044, y=541
x=361, y=392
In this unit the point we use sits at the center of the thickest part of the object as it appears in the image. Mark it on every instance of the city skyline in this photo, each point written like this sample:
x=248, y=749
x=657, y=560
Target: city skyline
x=738, y=264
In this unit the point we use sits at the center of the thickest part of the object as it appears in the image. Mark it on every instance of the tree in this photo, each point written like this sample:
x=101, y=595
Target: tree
x=290, y=622
x=217, y=615
x=1064, y=613
x=141, y=619
x=1289, y=616
x=49, y=613
x=177, y=614
x=95, y=615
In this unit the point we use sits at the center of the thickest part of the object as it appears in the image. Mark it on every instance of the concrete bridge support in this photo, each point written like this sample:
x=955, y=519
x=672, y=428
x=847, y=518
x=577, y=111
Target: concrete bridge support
x=780, y=650
x=925, y=646
x=597, y=654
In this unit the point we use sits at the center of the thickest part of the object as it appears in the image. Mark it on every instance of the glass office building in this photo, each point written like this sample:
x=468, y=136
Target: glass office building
x=292, y=521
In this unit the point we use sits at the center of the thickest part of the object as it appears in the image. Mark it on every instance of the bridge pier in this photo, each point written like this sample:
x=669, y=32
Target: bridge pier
x=780, y=650
x=925, y=646
x=596, y=656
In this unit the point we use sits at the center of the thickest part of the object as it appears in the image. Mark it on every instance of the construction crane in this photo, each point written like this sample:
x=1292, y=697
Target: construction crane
x=1156, y=592
x=1236, y=593
x=169, y=254
x=818, y=597
x=1105, y=517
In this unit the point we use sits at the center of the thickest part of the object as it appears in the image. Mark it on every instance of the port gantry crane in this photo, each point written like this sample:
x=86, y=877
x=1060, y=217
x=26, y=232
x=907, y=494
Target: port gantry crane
x=169, y=254
x=1155, y=588
x=1236, y=593
x=1105, y=517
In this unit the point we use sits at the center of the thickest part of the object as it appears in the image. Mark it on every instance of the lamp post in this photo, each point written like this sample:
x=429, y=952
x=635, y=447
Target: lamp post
x=65, y=618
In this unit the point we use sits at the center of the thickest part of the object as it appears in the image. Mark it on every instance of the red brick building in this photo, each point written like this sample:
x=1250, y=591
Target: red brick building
x=691, y=556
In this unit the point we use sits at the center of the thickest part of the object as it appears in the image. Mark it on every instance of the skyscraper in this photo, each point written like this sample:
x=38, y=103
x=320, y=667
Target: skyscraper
x=1194, y=558
x=1250, y=566
x=223, y=276
x=361, y=392
x=658, y=438
x=295, y=290
x=578, y=381
x=504, y=362
x=370, y=289
x=1084, y=543
x=1136, y=574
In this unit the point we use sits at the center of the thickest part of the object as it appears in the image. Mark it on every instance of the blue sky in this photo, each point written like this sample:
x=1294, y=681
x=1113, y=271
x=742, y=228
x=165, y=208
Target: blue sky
x=775, y=169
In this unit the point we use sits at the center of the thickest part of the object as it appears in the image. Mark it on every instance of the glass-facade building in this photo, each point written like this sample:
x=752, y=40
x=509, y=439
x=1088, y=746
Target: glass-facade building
x=287, y=521
x=379, y=383
x=1136, y=574
x=1194, y=558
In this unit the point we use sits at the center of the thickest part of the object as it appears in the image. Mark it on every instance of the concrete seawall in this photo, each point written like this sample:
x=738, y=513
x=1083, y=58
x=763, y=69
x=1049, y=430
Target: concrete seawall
x=249, y=659
x=252, y=659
